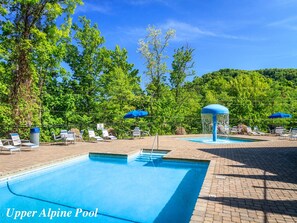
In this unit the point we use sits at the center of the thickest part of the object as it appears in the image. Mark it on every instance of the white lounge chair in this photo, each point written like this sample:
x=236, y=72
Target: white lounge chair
x=9, y=148
x=81, y=134
x=106, y=135
x=63, y=133
x=57, y=138
x=70, y=137
x=250, y=132
x=64, y=137
x=145, y=133
x=234, y=130
x=293, y=135
x=279, y=131
x=92, y=135
x=16, y=141
x=285, y=134
x=136, y=132
x=259, y=132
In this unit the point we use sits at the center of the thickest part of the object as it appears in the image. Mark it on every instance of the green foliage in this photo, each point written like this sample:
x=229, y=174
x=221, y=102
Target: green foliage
x=84, y=57
x=31, y=49
x=119, y=91
x=104, y=85
x=182, y=66
x=62, y=76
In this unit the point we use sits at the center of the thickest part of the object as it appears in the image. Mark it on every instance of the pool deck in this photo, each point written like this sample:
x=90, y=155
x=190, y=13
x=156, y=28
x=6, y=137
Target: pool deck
x=245, y=182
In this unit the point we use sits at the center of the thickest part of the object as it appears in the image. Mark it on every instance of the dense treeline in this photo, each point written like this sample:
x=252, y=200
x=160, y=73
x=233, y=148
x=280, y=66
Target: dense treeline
x=62, y=76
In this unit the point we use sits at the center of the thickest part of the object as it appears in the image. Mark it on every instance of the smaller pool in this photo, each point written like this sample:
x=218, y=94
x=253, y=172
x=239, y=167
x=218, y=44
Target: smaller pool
x=221, y=140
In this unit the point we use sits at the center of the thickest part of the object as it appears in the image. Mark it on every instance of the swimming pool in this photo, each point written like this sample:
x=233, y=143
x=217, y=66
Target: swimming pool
x=221, y=140
x=105, y=188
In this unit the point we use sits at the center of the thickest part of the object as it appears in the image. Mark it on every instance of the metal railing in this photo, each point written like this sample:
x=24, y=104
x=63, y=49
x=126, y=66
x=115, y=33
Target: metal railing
x=154, y=142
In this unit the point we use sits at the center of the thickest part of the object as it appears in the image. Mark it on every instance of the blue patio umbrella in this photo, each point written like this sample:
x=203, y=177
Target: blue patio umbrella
x=136, y=114
x=280, y=115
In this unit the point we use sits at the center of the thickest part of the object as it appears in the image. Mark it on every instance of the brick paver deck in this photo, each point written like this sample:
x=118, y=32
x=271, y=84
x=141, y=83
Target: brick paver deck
x=246, y=182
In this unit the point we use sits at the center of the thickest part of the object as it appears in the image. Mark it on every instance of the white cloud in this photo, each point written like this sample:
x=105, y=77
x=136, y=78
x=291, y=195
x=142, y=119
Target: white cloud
x=146, y=2
x=288, y=23
x=285, y=3
x=185, y=31
x=188, y=32
x=134, y=32
x=87, y=7
x=128, y=35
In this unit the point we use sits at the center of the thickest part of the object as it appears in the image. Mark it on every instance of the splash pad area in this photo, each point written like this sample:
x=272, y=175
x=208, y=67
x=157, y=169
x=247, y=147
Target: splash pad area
x=215, y=118
x=220, y=140
x=215, y=127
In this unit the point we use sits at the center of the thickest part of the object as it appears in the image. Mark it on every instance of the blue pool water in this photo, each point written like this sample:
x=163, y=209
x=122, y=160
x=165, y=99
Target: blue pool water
x=105, y=189
x=221, y=140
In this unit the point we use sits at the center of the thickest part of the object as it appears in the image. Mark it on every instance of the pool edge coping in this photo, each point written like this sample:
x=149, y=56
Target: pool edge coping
x=40, y=167
x=199, y=212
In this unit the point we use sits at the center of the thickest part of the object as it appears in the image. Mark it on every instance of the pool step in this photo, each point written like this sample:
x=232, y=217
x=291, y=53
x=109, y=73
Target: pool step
x=146, y=157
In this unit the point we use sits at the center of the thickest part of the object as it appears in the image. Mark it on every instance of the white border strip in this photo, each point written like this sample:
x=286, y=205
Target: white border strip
x=41, y=169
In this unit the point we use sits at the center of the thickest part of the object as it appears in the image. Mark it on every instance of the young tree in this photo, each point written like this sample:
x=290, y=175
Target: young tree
x=119, y=88
x=182, y=67
x=152, y=48
x=85, y=56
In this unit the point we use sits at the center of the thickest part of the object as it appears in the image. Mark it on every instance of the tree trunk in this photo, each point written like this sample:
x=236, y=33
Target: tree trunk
x=21, y=95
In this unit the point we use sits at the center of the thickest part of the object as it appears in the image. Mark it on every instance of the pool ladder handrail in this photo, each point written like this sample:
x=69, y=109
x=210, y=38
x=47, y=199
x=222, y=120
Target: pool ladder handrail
x=152, y=150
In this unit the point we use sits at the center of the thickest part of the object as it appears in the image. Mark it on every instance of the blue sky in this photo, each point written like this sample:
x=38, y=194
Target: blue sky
x=238, y=34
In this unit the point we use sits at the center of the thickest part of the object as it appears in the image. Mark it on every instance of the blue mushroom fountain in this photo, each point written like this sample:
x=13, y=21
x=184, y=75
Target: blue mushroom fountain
x=215, y=113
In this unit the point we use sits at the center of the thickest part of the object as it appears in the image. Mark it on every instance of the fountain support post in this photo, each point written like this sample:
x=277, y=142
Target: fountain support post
x=214, y=128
